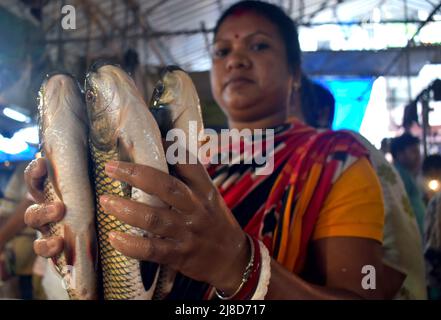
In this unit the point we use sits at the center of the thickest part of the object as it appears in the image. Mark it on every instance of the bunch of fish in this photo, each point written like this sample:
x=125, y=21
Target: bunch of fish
x=78, y=136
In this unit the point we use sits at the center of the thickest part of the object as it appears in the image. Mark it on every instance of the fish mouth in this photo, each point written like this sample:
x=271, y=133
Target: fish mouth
x=157, y=94
x=160, y=88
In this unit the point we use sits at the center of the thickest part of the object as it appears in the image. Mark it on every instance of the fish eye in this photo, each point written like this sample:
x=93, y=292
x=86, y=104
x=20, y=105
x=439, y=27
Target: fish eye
x=160, y=88
x=90, y=96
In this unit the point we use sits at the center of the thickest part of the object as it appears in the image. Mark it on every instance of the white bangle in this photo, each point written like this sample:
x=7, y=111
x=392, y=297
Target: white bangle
x=265, y=274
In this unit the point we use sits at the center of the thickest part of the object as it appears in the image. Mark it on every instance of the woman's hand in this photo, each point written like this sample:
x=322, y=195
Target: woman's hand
x=197, y=235
x=40, y=215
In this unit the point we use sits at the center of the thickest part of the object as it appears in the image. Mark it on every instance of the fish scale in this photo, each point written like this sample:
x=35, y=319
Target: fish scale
x=117, y=269
x=60, y=261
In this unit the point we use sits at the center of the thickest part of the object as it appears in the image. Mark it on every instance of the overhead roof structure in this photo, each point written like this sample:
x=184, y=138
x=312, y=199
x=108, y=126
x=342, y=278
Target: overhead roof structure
x=179, y=32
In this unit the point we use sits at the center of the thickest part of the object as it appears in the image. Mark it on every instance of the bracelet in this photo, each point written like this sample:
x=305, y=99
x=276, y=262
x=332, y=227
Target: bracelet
x=265, y=274
x=250, y=287
x=246, y=275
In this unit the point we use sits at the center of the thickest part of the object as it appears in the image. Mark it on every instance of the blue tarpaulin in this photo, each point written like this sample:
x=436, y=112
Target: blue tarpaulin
x=351, y=99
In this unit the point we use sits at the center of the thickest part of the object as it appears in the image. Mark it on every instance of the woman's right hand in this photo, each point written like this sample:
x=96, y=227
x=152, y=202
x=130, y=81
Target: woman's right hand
x=39, y=215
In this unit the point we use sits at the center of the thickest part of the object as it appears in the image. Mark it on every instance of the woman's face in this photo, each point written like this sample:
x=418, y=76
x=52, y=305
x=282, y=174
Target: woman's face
x=250, y=77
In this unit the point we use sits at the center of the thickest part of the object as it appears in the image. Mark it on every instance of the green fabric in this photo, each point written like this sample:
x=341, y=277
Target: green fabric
x=415, y=195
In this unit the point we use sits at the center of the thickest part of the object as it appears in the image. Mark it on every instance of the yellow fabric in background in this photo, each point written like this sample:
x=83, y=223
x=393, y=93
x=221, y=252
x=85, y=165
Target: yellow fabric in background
x=354, y=207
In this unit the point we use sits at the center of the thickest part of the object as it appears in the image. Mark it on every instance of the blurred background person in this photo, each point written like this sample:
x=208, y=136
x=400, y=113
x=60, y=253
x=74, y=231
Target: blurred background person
x=385, y=145
x=315, y=104
x=385, y=149
x=406, y=155
x=16, y=240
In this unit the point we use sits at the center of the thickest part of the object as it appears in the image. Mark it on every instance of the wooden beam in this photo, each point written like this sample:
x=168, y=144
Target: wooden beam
x=91, y=14
x=107, y=18
x=154, y=43
x=150, y=10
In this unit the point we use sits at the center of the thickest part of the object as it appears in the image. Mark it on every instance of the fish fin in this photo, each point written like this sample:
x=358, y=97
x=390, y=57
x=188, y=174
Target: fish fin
x=93, y=246
x=149, y=272
x=69, y=246
x=165, y=282
x=163, y=117
x=53, y=177
x=125, y=151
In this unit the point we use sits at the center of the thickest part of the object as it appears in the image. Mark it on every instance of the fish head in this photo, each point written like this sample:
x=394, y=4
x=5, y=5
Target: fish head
x=60, y=93
x=108, y=91
x=175, y=90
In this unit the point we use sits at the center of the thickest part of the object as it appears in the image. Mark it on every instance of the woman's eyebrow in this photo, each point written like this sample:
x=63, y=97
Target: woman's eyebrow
x=253, y=34
x=258, y=33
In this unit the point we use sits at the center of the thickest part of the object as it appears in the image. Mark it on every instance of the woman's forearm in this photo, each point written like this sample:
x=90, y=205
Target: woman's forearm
x=285, y=285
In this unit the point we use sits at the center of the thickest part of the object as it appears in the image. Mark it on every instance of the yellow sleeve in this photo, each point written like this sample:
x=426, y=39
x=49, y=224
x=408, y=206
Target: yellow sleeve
x=354, y=206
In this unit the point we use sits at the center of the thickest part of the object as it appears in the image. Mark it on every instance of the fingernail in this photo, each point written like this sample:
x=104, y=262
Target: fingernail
x=108, y=202
x=111, y=166
x=113, y=235
x=104, y=200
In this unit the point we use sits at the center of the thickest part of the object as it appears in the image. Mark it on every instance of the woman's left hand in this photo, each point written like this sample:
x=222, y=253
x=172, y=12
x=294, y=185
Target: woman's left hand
x=197, y=234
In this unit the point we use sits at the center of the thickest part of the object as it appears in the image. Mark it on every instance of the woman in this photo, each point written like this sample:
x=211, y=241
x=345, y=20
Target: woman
x=319, y=214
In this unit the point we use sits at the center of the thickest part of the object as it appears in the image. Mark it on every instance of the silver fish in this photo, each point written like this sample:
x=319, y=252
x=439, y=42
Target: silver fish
x=121, y=128
x=175, y=104
x=64, y=143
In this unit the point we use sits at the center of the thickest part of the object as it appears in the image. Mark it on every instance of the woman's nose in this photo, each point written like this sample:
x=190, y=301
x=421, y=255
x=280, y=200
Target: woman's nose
x=238, y=60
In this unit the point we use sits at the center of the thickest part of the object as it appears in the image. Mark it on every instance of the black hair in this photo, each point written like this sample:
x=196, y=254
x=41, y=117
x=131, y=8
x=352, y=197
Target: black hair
x=324, y=101
x=385, y=145
x=314, y=100
x=432, y=162
x=285, y=25
x=401, y=143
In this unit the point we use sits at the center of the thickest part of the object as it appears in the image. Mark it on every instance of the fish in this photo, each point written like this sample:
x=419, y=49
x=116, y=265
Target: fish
x=175, y=104
x=121, y=128
x=63, y=131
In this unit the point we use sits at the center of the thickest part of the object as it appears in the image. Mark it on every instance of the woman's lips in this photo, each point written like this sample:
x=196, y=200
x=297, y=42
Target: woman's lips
x=238, y=81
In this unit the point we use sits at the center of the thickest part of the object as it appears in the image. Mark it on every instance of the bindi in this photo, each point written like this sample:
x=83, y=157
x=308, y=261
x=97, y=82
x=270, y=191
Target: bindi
x=240, y=12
